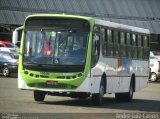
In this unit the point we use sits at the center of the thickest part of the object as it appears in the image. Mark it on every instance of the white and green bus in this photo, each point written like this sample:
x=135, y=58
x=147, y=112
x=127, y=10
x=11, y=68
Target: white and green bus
x=81, y=57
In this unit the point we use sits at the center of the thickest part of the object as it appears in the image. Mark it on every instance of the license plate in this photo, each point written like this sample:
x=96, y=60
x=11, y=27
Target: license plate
x=53, y=83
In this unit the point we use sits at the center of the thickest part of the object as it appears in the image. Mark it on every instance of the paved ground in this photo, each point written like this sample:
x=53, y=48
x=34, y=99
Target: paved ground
x=13, y=100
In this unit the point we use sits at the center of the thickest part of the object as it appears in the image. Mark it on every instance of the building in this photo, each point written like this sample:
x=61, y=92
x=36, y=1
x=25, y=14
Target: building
x=141, y=13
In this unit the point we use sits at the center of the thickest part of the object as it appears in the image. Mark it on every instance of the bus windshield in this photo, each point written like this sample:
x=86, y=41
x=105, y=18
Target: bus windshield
x=55, y=46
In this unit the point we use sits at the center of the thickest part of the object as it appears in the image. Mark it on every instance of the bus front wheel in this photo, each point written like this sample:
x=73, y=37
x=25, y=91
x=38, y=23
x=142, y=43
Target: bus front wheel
x=98, y=98
x=39, y=95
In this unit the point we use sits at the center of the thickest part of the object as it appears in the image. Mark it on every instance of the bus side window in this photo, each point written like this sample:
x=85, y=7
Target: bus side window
x=145, y=47
x=116, y=43
x=122, y=42
x=134, y=46
x=129, y=46
x=139, y=52
x=109, y=42
x=96, y=45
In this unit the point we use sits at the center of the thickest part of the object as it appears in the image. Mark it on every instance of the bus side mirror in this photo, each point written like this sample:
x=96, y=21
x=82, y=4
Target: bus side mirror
x=15, y=37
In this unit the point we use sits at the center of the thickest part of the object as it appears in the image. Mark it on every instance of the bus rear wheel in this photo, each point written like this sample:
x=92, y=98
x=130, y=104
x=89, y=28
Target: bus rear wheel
x=126, y=96
x=98, y=98
x=39, y=95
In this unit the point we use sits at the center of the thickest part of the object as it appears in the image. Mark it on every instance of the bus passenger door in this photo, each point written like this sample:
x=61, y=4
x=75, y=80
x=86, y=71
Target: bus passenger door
x=94, y=60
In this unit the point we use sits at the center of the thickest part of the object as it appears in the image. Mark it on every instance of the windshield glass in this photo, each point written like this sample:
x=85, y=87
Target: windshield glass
x=56, y=45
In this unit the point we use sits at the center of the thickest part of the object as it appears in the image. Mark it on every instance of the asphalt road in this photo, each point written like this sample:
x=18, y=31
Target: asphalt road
x=13, y=100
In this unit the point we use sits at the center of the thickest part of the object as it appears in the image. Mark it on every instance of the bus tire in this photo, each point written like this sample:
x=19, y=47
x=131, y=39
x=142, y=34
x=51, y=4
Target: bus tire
x=98, y=97
x=126, y=96
x=39, y=95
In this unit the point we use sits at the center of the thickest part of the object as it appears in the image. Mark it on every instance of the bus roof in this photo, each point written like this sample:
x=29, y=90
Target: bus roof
x=121, y=26
x=60, y=16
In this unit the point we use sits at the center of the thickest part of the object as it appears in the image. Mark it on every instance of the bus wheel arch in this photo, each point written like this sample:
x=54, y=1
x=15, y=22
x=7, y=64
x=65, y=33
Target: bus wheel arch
x=131, y=88
x=127, y=96
x=97, y=98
